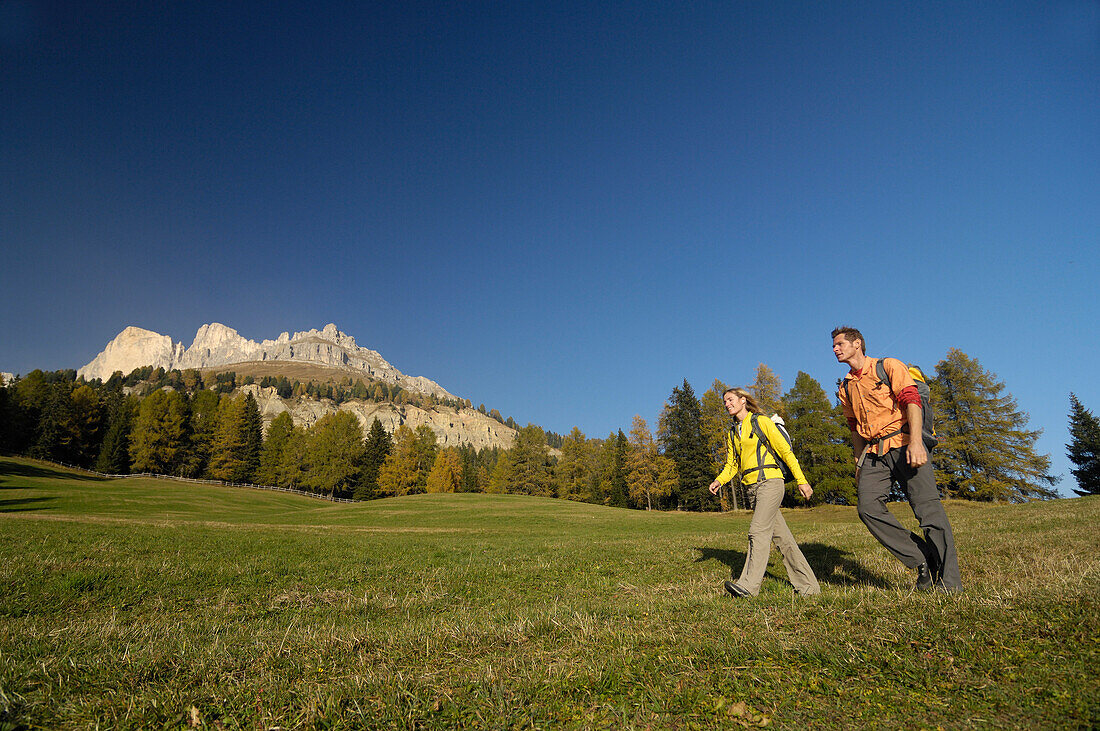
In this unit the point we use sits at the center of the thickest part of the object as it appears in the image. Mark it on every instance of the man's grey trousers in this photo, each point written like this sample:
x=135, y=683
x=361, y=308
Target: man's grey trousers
x=937, y=548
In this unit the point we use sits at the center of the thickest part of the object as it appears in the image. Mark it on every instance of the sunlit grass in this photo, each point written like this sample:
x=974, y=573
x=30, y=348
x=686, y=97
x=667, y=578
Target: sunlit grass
x=139, y=603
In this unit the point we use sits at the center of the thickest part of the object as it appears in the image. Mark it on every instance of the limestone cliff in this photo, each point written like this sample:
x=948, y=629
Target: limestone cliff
x=452, y=427
x=216, y=345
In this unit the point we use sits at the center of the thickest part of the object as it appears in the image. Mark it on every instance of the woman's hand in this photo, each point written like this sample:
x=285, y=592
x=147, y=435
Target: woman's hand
x=806, y=491
x=714, y=487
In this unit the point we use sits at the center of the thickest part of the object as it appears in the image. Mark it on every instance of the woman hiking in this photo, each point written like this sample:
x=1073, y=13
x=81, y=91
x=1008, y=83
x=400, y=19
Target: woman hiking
x=754, y=446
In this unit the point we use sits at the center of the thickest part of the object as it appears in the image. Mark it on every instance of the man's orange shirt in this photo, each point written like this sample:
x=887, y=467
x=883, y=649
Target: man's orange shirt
x=874, y=406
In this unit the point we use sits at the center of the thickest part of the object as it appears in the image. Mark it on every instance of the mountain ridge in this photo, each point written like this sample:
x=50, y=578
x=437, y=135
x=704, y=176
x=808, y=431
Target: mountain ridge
x=218, y=345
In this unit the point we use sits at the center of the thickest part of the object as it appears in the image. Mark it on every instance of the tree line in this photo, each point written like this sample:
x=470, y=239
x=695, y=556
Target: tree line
x=192, y=425
x=986, y=450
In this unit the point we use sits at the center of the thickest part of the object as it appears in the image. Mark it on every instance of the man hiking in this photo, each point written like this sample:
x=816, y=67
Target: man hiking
x=886, y=422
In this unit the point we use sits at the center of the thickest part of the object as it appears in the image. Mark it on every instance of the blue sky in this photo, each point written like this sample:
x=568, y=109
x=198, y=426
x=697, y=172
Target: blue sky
x=562, y=210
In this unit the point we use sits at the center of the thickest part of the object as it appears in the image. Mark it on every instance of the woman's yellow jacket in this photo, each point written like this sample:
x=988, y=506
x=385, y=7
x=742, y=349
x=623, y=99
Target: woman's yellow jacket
x=745, y=449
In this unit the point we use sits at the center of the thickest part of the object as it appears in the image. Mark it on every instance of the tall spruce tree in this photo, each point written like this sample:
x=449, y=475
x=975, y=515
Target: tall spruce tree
x=55, y=439
x=680, y=433
x=1084, y=448
x=271, y=454
x=609, y=472
x=821, y=441
x=530, y=461
x=470, y=469
x=617, y=492
x=11, y=418
x=31, y=395
x=114, y=456
x=378, y=446
x=254, y=433
x=985, y=450
x=572, y=474
x=238, y=436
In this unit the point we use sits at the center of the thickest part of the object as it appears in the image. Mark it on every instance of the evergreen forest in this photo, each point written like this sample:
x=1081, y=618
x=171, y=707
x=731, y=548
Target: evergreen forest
x=193, y=425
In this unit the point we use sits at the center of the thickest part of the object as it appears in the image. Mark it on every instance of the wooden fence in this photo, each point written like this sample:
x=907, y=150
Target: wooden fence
x=221, y=483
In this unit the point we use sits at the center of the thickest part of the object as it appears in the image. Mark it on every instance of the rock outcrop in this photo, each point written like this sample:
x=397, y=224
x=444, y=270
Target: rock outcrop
x=216, y=345
x=133, y=348
x=452, y=427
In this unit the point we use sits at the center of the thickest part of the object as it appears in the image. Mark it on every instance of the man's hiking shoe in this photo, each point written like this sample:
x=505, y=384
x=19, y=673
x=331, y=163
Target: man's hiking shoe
x=736, y=591
x=924, y=578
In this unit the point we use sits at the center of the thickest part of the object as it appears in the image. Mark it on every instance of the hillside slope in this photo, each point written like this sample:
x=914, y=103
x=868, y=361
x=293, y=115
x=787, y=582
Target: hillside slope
x=151, y=603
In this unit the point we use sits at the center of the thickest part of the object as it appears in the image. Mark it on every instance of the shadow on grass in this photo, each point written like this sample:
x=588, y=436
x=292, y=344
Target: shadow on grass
x=8, y=506
x=831, y=565
x=835, y=566
x=16, y=469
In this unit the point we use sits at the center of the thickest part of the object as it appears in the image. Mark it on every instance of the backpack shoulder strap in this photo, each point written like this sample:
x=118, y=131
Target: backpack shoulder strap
x=880, y=371
x=759, y=432
x=756, y=428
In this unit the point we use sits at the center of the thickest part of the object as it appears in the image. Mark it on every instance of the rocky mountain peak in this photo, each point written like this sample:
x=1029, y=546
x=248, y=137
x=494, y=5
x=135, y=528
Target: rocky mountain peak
x=216, y=345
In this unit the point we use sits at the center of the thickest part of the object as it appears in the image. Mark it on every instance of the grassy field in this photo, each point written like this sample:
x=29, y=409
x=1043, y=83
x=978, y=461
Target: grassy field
x=139, y=603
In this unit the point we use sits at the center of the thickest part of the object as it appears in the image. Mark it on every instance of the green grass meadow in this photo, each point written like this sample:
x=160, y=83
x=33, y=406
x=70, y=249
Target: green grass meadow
x=141, y=603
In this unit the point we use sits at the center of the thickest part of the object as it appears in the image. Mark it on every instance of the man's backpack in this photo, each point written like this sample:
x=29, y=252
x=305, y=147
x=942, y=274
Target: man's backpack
x=928, y=419
x=778, y=421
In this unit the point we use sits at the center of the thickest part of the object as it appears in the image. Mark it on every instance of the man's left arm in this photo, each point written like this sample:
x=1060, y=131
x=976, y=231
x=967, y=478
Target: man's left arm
x=916, y=452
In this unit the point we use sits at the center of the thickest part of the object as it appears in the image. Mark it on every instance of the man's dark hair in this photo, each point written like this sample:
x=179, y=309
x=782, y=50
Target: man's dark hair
x=851, y=334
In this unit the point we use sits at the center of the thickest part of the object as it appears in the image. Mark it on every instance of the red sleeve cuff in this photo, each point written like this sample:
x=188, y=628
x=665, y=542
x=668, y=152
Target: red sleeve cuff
x=909, y=395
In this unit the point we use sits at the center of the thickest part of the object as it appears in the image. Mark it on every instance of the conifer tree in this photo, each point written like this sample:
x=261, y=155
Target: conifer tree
x=398, y=474
x=470, y=472
x=271, y=454
x=1084, y=448
x=985, y=450
x=254, y=433
x=235, y=448
x=446, y=473
x=85, y=424
x=114, y=457
x=29, y=396
x=378, y=446
x=716, y=427
x=572, y=474
x=500, y=476
x=530, y=461
x=821, y=441
x=426, y=448
x=766, y=390
x=293, y=469
x=609, y=479
x=680, y=431
x=10, y=420
x=54, y=434
x=619, y=494
x=204, y=421
x=335, y=455
x=650, y=474
x=159, y=440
